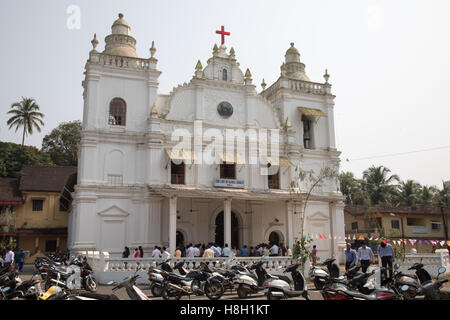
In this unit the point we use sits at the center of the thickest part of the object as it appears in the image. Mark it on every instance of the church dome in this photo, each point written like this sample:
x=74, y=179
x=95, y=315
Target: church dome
x=120, y=26
x=120, y=42
x=292, y=66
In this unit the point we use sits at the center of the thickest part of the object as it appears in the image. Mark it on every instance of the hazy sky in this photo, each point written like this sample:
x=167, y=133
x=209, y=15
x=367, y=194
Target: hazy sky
x=389, y=63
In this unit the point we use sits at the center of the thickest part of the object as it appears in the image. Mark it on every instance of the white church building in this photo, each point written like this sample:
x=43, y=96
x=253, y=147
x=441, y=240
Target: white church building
x=137, y=188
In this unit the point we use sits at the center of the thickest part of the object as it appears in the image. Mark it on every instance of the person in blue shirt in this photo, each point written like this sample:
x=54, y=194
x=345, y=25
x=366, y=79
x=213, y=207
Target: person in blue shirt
x=243, y=252
x=350, y=257
x=387, y=255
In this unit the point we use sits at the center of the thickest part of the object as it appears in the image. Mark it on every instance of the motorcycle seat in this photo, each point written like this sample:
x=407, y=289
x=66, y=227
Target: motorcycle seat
x=357, y=294
x=99, y=296
x=294, y=293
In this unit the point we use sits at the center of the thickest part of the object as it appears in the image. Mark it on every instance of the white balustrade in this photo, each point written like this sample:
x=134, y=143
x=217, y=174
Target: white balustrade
x=116, y=269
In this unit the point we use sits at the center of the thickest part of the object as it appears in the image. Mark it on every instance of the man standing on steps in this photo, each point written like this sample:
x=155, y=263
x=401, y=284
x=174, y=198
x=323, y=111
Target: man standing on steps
x=365, y=256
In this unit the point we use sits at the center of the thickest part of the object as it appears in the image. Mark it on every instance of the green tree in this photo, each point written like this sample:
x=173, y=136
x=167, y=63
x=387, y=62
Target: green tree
x=62, y=143
x=409, y=193
x=14, y=156
x=429, y=195
x=353, y=189
x=25, y=114
x=379, y=184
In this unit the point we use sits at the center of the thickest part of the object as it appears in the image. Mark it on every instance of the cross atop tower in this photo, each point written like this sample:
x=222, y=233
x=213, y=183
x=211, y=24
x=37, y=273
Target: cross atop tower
x=223, y=33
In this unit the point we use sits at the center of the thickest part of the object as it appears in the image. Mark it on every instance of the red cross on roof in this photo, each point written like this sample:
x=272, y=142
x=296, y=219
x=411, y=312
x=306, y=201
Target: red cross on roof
x=223, y=33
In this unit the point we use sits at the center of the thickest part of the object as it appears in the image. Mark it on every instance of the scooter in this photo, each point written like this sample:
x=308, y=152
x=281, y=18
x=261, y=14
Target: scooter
x=431, y=290
x=339, y=289
x=320, y=276
x=247, y=283
x=275, y=288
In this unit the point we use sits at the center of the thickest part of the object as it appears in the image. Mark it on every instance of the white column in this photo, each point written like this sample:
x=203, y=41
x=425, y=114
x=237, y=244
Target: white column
x=337, y=219
x=227, y=221
x=289, y=230
x=172, y=224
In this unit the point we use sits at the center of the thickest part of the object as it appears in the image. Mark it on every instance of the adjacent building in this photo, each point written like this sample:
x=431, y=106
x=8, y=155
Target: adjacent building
x=36, y=207
x=416, y=222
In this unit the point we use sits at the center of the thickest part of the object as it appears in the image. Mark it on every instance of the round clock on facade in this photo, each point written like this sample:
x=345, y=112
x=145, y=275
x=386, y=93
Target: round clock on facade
x=225, y=109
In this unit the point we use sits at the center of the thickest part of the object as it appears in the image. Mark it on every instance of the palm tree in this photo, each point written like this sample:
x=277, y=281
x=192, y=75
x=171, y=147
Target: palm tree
x=25, y=114
x=379, y=184
x=409, y=194
x=428, y=195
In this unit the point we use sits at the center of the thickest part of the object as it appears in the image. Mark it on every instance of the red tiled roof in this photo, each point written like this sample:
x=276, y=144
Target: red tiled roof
x=9, y=191
x=45, y=178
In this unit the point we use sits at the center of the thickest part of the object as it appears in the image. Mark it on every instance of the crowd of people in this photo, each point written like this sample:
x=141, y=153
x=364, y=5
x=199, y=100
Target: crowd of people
x=212, y=250
x=365, y=256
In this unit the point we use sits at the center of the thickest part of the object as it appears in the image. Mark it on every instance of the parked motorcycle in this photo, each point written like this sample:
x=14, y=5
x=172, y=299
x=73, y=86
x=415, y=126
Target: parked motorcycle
x=198, y=281
x=87, y=274
x=276, y=288
x=156, y=277
x=247, y=283
x=431, y=290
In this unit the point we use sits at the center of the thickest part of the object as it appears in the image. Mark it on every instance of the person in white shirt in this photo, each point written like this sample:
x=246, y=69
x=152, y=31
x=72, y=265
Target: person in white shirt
x=219, y=251
x=190, y=252
x=197, y=251
x=226, y=251
x=156, y=253
x=274, y=250
x=9, y=257
x=365, y=255
x=165, y=254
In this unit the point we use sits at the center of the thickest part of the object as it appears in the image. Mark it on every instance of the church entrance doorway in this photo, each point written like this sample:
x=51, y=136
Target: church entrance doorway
x=274, y=238
x=180, y=240
x=219, y=237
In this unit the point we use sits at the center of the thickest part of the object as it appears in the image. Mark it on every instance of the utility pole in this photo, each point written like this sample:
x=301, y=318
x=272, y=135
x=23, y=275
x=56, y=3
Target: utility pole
x=403, y=239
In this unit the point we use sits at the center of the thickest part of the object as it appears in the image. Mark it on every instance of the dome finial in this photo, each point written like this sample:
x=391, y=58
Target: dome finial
x=120, y=15
x=292, y=44
x=326, y=76
x=263, y=84
x=94, y=42
x=152, y=49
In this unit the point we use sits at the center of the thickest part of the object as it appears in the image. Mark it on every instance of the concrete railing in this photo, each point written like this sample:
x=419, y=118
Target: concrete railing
x=431, y=261
x=108, y=269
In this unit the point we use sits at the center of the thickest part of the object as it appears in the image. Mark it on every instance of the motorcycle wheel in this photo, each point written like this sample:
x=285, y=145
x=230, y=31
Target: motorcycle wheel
x=271, y=297
x=318, y=285
x=196, y=287
x=242, y=292
x=90, y=284
x=444, y=295
x=168, y=294
x=156, y=289
x=214, y=291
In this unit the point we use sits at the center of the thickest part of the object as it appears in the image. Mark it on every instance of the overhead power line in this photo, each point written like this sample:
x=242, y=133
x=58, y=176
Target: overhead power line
x=398, y=154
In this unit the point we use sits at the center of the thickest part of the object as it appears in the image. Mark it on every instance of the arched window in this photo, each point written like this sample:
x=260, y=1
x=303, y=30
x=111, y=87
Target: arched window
x=224, y=75
x=117, y=112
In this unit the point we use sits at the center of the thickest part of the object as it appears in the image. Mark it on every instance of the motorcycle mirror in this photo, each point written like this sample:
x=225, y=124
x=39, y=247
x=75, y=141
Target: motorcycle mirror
x=442, y=270
x=404, y=287
x=396, y=266
x=299, y=258
x=110, y=283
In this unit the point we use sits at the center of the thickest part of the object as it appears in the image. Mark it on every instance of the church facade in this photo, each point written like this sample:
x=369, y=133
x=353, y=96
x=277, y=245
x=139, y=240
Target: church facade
x=137, y=187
